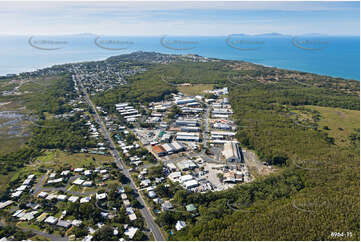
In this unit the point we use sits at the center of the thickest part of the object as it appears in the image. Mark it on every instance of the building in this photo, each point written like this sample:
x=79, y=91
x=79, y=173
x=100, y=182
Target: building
x=190, y=129
x=191, y=208
x=231, y=152
x=171, y=167
x=185, y=136
x=73, y=199
x=152, y=194
x=159, y=150
x=185, y=101
x=186, y=165
x=5, y=204
x=64, y=224
x=174, y=176
x=130, y=232
x=167, y=205
x=51, y=220
x=187, y=122
x=191, y=184
x=180, y=225
x=222, y=126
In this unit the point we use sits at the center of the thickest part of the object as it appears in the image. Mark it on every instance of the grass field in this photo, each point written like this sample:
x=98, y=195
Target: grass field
x=341, y=122
x=56, y=159
x=194, y=89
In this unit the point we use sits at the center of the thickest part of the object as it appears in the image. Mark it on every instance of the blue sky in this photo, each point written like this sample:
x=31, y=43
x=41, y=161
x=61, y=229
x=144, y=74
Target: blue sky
x=179, y=18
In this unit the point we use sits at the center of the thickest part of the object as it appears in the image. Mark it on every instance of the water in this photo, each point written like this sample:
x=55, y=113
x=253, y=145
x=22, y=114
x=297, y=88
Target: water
x=332, y=56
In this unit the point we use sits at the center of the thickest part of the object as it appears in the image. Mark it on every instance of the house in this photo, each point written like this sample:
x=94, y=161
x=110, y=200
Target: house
x=78, y=169
x=100, y=196
x=130, y=232
x=152, y=194
x=180, y=225
x=16, y=194
x=85, y=199
x=52, y=196
x=103, y=171
x=5, y=204
x=167, y=205
x=88, y=184
x=73, y=199
x=129, y=210
x=87, y=172
x=65, y=173
x=88, y=238
x=132, y=217
x=41, y=217
x=61, y=197
x=21, y=188
x=31, y=176
x=52, y=175
x=29, y=216
x=123, y=196
x=145, y=182
x=17, y=212
x=55, y=181
x=78, y=181
x=126, y=203
x=63, y=223
x=121, y=190
x=42, y=194
x=191, y=208
x=51, y=220
x=76, y=222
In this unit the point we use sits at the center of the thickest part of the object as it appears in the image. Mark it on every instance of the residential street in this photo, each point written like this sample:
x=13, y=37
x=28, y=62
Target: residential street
x=144, y=211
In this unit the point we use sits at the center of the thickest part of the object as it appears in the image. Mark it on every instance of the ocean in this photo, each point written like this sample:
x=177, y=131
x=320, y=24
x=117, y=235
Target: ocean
x=325, y=55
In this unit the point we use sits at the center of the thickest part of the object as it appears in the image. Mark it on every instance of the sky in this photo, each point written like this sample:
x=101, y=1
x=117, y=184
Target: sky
x=179, y=18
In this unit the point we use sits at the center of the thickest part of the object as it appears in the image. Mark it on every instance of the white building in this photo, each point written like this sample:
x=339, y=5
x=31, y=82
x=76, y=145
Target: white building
x=231, y=152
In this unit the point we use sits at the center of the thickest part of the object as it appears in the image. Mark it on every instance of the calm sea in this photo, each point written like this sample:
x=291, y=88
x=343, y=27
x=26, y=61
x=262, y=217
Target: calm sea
x=333, y=56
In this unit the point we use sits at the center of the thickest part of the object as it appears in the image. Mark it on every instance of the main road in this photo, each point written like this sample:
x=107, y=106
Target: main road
x=153, y=227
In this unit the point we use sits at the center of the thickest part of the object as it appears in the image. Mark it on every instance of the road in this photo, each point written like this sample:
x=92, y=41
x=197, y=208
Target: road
x=206, y=124
x=153, y=227
x=39, y=184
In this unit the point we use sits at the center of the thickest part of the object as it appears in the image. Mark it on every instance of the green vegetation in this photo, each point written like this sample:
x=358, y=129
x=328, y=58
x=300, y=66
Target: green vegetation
x=315, y=168
x=314, y=193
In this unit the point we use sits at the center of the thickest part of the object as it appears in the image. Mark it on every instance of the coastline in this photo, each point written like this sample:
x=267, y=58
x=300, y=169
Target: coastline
x=114, y=54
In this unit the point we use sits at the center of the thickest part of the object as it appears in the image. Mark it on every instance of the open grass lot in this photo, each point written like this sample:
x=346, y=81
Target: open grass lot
x=55, y=159
x=194, y=89
x=336, y=118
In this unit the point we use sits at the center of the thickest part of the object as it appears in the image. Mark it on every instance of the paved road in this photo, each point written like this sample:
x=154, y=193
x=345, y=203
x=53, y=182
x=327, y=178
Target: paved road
x=144, y=211
x=206, y=124
x=39, y=184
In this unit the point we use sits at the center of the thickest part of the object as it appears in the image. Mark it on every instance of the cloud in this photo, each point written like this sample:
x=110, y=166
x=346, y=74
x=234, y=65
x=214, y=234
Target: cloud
x=181, y=18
